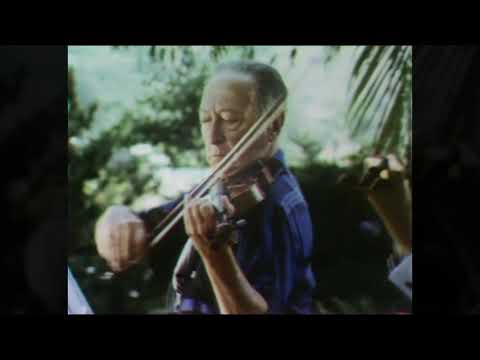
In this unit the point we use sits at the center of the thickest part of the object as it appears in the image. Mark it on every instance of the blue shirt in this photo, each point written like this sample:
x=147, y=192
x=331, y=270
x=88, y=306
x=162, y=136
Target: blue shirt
x=275, y=250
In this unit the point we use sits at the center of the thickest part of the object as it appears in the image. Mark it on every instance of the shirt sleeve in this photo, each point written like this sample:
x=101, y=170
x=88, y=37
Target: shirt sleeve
x=401, y=276
x=77, y=303
x=153, y=216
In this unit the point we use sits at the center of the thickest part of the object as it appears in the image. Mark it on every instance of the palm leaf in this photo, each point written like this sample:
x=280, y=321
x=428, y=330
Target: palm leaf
x=389, y=129
x=393, y=122
x=379, y=97
x=362, y=102
x=367, y=79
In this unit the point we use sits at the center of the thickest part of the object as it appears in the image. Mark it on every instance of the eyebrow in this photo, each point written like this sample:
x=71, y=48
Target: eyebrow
x=222, y=109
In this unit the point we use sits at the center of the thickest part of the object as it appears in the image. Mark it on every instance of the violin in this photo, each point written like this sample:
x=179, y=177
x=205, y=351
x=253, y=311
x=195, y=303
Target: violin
x=243, y=197
x=244, y=194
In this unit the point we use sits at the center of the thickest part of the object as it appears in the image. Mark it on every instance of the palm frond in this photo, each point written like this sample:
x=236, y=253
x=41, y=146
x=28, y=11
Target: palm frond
x=380, y=91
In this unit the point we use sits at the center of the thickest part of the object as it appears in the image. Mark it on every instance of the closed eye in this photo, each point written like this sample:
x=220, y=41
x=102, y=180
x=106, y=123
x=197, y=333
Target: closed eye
x=229, y=116
x=204, y=118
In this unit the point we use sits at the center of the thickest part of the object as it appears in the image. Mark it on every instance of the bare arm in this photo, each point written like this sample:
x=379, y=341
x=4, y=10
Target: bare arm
x=234, y=293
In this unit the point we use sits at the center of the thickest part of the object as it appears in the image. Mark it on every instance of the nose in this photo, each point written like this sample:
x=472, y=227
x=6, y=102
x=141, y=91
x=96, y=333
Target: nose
x=216, y=132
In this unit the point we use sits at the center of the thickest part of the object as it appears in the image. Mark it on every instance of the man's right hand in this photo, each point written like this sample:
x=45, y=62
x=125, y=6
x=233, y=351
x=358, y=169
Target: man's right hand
x=121, y=238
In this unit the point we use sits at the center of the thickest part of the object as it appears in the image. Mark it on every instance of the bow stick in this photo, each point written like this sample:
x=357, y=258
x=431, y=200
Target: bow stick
x=259, y=127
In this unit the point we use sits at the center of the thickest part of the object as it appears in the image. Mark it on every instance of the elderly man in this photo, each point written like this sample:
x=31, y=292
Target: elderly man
x=268, y=268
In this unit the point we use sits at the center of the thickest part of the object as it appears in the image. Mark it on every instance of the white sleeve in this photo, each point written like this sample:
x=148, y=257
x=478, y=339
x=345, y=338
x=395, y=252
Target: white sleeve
x=401, y=276
x=77, y=304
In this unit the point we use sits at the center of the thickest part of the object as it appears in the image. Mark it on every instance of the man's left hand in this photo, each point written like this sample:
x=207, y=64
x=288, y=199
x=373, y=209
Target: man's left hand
x=200, y=219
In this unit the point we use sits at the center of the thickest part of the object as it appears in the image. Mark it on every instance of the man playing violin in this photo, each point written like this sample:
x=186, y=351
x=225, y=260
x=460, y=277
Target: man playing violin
x=267, y=269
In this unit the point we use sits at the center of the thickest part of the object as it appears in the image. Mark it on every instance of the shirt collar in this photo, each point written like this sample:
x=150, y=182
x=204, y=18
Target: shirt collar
x=280, y=156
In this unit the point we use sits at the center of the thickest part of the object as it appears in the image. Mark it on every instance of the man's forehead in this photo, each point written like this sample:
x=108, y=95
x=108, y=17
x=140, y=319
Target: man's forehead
x=232, y=77
x=228, y=89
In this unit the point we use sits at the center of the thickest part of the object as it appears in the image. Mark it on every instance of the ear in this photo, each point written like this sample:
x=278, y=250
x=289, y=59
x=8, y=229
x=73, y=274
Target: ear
x=278, y=123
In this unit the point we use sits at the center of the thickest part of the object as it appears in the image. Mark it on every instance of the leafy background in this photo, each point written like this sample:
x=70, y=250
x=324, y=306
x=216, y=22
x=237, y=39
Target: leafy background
x=133, y=138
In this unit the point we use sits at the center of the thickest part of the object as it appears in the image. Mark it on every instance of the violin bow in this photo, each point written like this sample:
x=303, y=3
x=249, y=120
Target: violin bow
x=258, y=128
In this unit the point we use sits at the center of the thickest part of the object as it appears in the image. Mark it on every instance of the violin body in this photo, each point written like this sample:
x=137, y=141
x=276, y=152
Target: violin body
x=245, y=192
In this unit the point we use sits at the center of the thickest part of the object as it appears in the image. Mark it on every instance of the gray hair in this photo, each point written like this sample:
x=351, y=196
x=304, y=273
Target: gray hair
x=269, y=83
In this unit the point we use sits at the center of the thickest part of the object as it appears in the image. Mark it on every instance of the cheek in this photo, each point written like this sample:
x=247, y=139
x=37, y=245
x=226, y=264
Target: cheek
x=234, y=136
x=203, y=130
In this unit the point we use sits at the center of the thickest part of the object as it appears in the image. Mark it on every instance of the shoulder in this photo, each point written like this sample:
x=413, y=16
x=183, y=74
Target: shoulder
x=285, y=193
x=291, y=216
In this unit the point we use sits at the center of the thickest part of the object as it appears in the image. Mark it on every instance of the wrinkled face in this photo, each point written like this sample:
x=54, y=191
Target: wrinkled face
x=227, y=110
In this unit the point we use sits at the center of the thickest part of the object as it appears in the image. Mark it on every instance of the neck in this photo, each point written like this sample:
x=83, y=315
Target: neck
x=243, y=174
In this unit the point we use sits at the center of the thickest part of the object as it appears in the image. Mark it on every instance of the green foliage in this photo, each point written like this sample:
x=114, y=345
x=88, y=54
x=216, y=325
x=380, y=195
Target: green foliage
x=168, y=116
x=104, y=169
x=309, y=147
x=381, y=98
